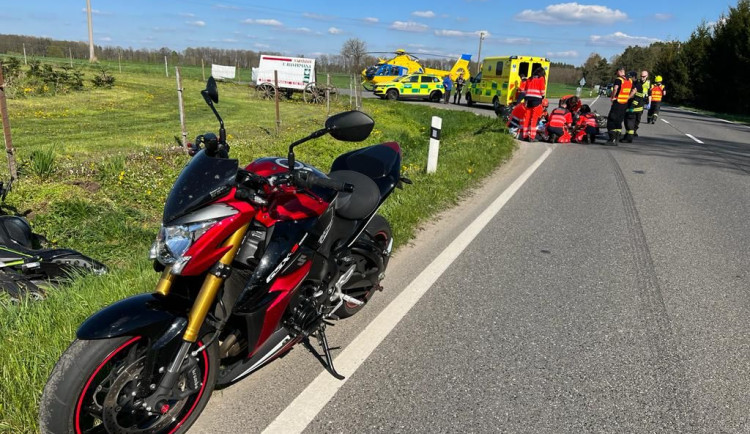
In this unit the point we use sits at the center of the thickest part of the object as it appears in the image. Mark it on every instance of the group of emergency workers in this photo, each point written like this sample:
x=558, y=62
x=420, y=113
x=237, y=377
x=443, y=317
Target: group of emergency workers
x=630, y=96
x=573, y=121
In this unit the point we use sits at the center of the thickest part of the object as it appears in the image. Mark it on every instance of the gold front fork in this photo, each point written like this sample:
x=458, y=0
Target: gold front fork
x=210, y=287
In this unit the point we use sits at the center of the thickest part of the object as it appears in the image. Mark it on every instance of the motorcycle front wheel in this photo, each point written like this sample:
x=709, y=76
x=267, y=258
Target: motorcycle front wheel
x=92, y=390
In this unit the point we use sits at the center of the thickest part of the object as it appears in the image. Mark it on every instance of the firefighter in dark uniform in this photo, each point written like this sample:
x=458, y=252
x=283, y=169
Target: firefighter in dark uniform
x=634, y=110
x=621, y=91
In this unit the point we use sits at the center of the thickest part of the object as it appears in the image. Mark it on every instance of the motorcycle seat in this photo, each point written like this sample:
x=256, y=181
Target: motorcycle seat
x=362, y=202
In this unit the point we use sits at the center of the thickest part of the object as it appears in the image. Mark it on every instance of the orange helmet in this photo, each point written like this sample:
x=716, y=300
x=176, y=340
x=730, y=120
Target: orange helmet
x=545, y=103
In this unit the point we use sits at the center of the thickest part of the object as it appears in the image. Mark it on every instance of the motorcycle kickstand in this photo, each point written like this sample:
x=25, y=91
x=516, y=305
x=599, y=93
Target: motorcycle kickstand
x=323, y=341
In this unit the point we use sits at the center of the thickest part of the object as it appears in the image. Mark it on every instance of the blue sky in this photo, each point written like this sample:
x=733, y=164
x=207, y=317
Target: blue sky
x=563, y=31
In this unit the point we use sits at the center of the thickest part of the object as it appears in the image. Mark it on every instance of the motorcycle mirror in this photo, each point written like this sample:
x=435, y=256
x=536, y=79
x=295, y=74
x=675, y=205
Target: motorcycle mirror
x=351, y=126
x=211, y=92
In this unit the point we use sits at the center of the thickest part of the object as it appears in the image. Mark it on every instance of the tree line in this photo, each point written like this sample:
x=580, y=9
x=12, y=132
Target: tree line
x=706, y=71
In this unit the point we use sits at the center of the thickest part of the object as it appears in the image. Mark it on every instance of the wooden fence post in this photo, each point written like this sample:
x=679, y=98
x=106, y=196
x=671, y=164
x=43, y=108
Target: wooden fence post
x=182, y=107
x=166, y=66
x=276, y=94
x=328, y=94
x=203, y=70
x=6, y=131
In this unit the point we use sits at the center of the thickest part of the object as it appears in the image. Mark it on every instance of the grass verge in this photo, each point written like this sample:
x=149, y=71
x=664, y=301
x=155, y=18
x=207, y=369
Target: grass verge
x=97, y=165
x=740, y=119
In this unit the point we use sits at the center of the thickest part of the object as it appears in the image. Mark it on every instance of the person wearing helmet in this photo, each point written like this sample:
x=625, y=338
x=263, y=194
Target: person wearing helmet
x=561, y=121
x=586, y=128
x=655, y=95
x=634, y=110
x=621, y=93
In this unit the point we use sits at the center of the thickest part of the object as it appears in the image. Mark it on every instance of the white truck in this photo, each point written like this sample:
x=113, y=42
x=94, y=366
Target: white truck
x=294, y=74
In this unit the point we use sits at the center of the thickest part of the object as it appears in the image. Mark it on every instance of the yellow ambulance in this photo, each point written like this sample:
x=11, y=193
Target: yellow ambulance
x=499, y=78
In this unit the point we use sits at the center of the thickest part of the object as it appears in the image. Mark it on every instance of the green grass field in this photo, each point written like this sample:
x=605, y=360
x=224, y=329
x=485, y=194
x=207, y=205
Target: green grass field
x=95, y=167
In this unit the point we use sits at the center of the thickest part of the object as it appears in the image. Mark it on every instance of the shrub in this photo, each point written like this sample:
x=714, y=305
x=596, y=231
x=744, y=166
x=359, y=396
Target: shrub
x=103, y=79
x=42, y=162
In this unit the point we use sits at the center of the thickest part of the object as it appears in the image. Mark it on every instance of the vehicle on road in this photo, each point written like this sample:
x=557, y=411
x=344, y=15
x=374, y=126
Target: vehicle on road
x=499, y=78
x=387, y=70
x=293, y=75
x=253, y=261
x=413, y=86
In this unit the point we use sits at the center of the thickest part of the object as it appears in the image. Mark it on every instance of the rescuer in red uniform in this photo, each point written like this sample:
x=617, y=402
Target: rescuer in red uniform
x=536, y=87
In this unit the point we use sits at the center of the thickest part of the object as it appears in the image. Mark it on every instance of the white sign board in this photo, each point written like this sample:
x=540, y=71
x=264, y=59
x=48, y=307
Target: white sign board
x=221, y=72
x=582, y=82
x=294, y=72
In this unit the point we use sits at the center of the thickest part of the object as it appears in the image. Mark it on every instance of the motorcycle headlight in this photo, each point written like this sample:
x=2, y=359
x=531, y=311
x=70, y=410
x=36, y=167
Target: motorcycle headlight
x=173, y=241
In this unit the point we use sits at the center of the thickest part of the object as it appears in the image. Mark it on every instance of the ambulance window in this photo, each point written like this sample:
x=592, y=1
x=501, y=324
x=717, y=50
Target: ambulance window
x=499, y=67
x=523, y=69
x=536, y=65
x=426, y=79
x=413, y=79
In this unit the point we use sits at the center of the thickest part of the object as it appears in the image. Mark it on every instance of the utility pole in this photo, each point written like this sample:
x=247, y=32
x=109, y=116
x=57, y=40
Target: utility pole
x=479, y=54
x=92, y=56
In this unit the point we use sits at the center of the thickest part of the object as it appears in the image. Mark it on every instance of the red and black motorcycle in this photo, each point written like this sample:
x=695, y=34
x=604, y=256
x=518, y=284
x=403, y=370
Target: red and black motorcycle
x=253, y=261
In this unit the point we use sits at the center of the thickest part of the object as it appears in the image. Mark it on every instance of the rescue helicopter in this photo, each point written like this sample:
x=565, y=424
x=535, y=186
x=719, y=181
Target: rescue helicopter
x=405, y=63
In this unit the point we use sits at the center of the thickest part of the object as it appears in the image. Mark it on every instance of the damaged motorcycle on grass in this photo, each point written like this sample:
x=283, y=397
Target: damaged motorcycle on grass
x=253, y=261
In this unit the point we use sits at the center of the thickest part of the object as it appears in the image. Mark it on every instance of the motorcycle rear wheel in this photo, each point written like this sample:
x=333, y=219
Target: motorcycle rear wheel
x=90, y=390
x=380, y=232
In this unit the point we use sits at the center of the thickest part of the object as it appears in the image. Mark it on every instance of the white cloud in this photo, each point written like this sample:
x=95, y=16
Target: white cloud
x=461, y=34
x=95, y=12
x=335, y=31
x=424, y=14
x=302, y=30
x=264, y=22
x=620, y=39
x=259, y=45
x=562, y=54
x=663, y=17
x=229, y=40
x=186, y=14
x=231, y=8
x=572, y=13
x=514, y=41
x=196, y=23
x=105, y=39
x=371, y=19
x=409, y=26
x=319, y=17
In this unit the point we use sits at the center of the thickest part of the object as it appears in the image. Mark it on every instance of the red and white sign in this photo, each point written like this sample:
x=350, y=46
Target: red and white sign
x=294, y=72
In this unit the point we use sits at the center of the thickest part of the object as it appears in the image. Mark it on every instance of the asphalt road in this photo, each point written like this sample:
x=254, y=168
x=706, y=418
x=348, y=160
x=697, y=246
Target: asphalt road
x=608, y=294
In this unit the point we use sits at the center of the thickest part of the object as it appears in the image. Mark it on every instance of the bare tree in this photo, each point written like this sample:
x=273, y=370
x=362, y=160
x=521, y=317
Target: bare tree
x=354, y=50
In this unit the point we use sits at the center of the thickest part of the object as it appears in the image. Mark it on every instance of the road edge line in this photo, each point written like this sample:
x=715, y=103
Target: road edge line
x=306, y=406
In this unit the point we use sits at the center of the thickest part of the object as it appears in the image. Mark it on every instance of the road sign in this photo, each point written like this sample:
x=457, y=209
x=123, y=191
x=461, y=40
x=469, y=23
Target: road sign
x=582, y=82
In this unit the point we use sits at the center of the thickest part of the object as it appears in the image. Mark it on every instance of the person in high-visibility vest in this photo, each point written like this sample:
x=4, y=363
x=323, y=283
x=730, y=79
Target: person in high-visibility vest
x=621, y=93
x=634, y=110
x=536, y=88
x=655, y=94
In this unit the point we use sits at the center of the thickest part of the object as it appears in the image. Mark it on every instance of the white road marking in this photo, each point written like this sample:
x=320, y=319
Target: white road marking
x=304, y=408
x=665, y=121
x=595, y=100
x=693, y=137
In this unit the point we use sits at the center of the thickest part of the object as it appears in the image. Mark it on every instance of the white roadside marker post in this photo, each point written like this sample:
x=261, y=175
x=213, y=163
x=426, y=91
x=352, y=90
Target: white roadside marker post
x=432, y=154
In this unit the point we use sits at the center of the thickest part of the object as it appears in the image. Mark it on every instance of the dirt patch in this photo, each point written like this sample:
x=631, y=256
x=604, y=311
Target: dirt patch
x=90, y=186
